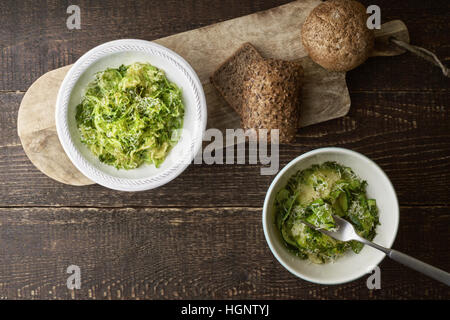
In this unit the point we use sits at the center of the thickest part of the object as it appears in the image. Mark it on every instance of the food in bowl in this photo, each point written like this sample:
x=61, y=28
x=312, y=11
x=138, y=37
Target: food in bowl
x=130, y=116
x=314, y=195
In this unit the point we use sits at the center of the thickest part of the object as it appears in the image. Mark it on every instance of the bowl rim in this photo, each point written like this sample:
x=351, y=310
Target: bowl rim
x=62, y=103
x=265, y=218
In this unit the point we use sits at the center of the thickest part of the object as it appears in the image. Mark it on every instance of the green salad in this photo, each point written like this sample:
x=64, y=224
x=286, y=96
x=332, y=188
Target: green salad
x=130, y=116
x=314, y=195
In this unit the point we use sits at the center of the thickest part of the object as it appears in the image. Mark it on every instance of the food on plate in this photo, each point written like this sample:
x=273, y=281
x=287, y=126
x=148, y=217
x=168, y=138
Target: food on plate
x=130, y=116
x=264, y=92
x=272, y=97
x=336, y=36
x=314, y=195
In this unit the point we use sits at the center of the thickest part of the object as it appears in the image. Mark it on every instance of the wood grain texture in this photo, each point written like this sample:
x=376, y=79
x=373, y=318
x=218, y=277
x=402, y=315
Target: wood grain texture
x=324, y=97
x=405, y=133
x=37, y=130
x=34, y=39
x=399, y=117
x=186, y=253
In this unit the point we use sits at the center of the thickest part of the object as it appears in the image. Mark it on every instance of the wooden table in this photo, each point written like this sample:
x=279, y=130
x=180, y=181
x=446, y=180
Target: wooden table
x=200, y=236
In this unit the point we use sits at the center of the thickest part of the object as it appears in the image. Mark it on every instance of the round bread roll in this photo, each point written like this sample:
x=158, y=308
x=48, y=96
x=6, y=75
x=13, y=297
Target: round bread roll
x=336, y=36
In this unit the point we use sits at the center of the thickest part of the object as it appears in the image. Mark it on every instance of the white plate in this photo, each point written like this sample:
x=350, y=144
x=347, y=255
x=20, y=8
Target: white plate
x=113, y=54
x=351, y=266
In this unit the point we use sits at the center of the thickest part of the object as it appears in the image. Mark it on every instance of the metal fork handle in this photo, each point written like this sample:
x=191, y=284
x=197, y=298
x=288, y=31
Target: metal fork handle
x=413, y=263
x=425, y=268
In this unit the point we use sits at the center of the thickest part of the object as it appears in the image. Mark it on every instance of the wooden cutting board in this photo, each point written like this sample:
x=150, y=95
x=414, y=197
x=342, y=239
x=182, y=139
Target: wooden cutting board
x=275, y=33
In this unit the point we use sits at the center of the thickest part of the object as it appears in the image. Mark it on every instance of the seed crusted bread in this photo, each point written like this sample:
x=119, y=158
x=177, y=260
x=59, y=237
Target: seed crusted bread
x=272, y=94
x=336, y=36
x=230, y=76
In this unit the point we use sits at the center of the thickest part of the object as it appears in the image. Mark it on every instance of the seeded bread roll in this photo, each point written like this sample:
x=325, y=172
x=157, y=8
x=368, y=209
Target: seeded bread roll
x=230, y=76
x=336, y=36
x=272, y=97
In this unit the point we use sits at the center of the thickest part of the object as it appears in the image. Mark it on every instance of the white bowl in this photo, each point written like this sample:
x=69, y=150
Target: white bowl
x=350, y=266
x=114, y=54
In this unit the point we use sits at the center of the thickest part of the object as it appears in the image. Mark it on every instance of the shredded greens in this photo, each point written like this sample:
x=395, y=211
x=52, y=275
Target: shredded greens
x=314, y=195
x=130, y=116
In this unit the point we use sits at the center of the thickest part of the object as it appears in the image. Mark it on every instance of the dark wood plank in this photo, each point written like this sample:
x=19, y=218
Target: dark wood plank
x=405, y=133
x=428, y=26
x=34, y=39
x=188, y=253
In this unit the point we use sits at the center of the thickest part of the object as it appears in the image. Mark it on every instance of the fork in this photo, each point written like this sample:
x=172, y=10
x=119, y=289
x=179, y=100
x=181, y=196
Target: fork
x=346, y=232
